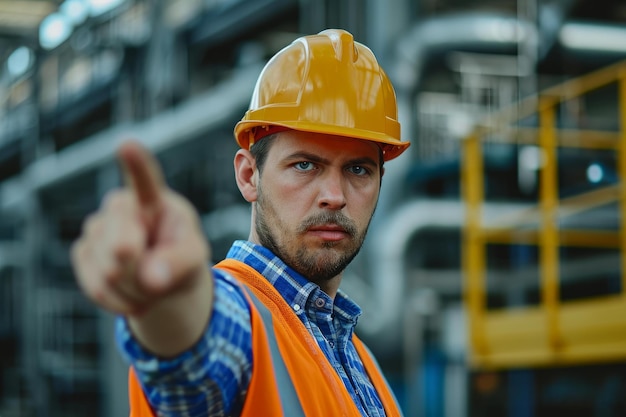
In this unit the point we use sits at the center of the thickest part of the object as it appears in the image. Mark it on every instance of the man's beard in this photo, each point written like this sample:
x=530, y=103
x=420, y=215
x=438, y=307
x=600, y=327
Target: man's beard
x=317, y=265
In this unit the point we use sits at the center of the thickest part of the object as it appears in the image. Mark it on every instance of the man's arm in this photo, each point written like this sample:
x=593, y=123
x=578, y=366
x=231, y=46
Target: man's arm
x=143, y=255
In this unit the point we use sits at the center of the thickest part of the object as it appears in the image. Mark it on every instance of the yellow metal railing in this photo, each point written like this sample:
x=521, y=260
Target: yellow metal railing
x=554, y=332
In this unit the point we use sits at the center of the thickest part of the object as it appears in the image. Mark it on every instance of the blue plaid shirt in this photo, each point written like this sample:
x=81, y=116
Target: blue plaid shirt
x=212, y=377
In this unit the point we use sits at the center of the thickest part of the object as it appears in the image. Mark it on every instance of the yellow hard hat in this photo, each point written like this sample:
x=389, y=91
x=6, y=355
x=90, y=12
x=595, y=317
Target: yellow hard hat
x=324, y=83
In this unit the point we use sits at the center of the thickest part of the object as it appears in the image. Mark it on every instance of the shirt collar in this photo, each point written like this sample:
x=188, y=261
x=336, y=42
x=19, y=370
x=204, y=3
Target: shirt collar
x=297, y=291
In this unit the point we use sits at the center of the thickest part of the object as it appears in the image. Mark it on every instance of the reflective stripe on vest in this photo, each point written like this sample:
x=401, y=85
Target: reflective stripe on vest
x=286, y=390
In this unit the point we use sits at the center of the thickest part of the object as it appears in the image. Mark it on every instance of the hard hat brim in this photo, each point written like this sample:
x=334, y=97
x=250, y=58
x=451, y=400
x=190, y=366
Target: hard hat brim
x=391, y=147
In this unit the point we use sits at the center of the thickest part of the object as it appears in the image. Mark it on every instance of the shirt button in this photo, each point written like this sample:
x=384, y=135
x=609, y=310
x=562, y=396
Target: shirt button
x=296, y=307
x=319, y=303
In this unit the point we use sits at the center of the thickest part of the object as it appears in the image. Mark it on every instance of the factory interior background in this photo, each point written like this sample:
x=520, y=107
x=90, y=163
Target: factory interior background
x=492, y=279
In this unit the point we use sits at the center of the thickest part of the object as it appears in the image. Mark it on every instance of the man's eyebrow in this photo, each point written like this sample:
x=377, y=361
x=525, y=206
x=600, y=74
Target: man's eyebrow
x=306, y=155
x=364, y=161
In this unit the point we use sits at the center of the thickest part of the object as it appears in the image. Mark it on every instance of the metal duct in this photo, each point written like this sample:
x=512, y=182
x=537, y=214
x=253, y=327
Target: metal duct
x=469, y=31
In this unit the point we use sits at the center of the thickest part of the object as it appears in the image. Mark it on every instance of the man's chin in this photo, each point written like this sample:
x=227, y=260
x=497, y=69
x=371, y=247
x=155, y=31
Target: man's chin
x=327, y=261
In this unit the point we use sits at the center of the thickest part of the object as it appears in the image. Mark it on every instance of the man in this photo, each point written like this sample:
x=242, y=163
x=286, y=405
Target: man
x=267, y=332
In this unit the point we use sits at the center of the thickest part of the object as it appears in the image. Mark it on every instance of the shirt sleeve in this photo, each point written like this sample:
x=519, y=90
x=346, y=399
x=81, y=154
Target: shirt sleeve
x=212, y=377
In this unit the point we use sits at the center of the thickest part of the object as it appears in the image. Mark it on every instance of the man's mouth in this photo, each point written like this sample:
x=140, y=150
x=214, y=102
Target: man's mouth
x=328, y=232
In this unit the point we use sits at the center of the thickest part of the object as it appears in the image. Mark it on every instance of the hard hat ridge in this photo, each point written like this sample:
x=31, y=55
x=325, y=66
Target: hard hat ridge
x=343, y=43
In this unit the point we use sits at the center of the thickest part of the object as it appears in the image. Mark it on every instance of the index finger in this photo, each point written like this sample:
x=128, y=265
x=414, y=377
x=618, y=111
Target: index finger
x=142, y=174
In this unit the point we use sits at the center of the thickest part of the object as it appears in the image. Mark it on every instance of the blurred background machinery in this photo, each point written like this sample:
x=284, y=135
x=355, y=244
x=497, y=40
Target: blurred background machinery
x=492, y=279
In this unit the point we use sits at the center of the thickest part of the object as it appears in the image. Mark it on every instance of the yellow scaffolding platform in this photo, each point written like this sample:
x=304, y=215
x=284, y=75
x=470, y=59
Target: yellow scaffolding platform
x=554, y=332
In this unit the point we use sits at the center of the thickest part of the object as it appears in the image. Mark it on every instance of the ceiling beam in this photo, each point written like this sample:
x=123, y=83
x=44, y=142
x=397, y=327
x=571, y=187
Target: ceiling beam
x=29, y=7
x=22, y=18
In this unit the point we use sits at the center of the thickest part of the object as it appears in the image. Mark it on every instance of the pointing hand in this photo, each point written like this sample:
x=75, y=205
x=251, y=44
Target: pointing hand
x=145, y=243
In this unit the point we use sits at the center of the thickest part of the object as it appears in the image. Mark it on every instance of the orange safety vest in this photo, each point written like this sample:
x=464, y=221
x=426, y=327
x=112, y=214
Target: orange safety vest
x=291, y=375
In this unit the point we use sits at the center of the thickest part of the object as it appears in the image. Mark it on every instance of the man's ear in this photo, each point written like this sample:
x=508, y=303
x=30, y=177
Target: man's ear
x=246, y=174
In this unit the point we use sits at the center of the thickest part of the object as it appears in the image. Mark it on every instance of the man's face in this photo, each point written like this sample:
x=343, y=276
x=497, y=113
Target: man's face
x=316, y=196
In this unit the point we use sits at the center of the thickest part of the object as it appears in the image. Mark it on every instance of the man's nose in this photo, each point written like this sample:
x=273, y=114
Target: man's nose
x=332, y=191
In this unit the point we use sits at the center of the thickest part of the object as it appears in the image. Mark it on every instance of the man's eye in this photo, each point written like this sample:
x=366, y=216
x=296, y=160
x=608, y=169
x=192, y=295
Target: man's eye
x=304, y=166
x=359, y=170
